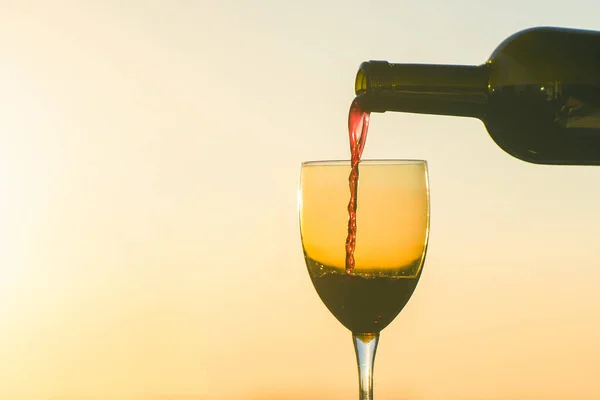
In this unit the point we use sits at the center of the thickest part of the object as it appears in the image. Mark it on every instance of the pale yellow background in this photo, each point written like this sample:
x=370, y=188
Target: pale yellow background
x=149, y=247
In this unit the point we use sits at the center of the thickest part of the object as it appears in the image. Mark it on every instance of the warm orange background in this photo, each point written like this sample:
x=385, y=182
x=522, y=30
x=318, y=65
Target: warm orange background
x=149, y=247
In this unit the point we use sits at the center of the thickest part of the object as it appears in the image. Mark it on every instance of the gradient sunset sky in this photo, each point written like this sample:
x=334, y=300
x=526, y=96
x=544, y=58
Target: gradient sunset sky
x=150, y=155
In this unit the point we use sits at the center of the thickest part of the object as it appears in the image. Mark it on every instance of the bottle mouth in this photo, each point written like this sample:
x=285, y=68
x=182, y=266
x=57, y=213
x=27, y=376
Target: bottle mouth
x=372, y=75
x=373, y=84
x=361, y=82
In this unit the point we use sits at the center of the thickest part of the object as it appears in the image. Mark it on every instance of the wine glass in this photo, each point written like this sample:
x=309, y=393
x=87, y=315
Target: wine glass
x=392, y=230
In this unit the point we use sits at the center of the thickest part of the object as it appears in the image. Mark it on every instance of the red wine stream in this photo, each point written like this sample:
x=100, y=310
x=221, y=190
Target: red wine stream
x=358, y=125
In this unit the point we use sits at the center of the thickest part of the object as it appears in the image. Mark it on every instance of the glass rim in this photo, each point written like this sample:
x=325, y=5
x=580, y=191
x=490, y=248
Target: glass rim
x=373, y=161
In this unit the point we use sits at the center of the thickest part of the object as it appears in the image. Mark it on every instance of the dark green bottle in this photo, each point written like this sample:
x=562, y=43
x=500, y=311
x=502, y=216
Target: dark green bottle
x=538, y=94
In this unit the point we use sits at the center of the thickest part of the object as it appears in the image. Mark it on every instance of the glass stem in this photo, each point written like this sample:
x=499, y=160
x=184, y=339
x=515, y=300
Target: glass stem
x=365, y=345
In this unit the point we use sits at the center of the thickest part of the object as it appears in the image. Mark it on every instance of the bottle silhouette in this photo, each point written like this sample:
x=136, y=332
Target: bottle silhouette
x=538, y=94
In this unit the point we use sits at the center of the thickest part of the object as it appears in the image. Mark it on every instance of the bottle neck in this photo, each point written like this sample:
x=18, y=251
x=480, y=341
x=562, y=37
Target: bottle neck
x=423, y=88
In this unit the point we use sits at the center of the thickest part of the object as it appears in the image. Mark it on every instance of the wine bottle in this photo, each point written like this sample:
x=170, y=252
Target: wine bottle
x=538, y=94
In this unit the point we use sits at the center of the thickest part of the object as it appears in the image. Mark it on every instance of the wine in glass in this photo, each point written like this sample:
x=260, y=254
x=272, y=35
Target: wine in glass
x=392, y=230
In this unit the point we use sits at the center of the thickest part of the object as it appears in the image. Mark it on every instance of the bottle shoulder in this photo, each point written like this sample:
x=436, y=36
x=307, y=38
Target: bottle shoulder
x=543, y=37
x=546, y=54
